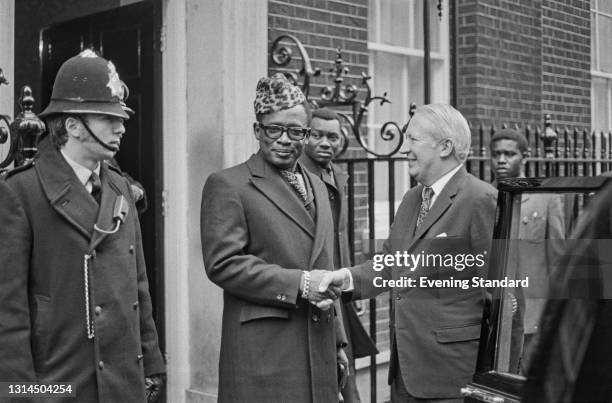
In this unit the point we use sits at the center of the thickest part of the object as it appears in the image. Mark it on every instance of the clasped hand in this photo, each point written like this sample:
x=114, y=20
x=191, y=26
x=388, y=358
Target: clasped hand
x=327, y=286
x=316, y=293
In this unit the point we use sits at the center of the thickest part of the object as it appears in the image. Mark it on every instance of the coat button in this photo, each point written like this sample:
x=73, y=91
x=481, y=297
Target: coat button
x=93, y=254
x=132, y=249
x=315, y=318
x=101, y=365
x=98, y=310
x=135, y=305
x=329, y=317
x=398, y=297
x=139, y=357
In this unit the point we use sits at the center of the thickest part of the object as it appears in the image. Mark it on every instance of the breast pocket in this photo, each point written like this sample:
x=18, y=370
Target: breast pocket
x=533, y=226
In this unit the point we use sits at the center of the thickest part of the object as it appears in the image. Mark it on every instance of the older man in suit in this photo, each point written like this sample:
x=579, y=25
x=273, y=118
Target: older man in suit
x=324, y=143
x=541, y=229
x=435, y=327
x=266, y=224
x=74, y=297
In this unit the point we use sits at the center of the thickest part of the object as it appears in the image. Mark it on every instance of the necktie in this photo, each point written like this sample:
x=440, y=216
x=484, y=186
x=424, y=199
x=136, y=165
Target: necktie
x=96, y=186
x=425, y=203
x=295, y=182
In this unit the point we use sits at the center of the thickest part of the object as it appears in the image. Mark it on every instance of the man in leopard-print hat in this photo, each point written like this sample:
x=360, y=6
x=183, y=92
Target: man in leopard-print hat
x=266, y=225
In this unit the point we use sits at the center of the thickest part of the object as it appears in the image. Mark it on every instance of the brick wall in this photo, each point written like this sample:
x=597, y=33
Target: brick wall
x=322, y=26
x=519, y=61
x=499, y=61
x=566, y=62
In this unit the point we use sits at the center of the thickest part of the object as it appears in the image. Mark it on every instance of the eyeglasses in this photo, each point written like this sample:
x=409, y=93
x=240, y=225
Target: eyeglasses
x=318, y=134
x=274, y=132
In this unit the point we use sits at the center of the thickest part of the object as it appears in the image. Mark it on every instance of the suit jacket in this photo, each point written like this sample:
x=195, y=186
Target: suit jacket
x=359, y=342
x=541, y=230
x=435, y=331
x=48, y=220
x=257, y=237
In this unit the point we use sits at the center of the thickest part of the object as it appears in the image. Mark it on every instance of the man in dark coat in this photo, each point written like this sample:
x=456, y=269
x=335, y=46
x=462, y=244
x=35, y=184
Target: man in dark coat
x=324, y=143
x=74, y=298
x=266, y=225
x=435, y=327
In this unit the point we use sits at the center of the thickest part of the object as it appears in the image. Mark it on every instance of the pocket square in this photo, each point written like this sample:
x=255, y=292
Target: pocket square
x=442, y=235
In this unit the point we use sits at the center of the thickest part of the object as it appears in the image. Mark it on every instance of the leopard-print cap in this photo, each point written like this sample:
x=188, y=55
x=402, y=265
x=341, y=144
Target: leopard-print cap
x=276, y=93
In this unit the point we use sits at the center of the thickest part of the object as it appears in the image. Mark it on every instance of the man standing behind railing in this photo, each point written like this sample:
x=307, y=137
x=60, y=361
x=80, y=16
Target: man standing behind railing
x=324, y=143
x=435, y=330
x=541, y=224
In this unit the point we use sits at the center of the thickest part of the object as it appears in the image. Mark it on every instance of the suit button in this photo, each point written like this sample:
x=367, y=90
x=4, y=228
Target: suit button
x=331, y=197
x=132, y=249
x=139, y=357
x=135, y=305
x=98, y=310
x=101, y=365
x=315, y=318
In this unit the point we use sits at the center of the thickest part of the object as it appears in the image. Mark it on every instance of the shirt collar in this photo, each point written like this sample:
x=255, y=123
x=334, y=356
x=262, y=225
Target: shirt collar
x=438, y=185
x=81, y=172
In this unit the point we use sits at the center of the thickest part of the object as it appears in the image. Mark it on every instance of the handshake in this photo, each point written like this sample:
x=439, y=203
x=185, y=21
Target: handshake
x=321, y=287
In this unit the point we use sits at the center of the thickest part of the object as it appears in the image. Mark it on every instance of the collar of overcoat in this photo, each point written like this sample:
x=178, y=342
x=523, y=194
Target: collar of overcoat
x=340, y=178
x=443, y=202
x=71, y=200
x=266, y=179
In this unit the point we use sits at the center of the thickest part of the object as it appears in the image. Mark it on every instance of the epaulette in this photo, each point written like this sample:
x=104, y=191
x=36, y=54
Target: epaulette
x=20, y=168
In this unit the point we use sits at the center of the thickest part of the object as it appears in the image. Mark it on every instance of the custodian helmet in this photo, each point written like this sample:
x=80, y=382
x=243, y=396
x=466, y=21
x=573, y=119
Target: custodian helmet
x=88, y=83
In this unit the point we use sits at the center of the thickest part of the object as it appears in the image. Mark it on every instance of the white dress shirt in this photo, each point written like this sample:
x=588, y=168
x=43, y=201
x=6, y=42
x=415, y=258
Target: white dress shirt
x=81, y=172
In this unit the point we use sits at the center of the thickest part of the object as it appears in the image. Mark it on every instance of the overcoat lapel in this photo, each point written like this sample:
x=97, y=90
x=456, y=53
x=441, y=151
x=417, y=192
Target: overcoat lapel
x=65, y=192
x=272, y=186
x=109, y=195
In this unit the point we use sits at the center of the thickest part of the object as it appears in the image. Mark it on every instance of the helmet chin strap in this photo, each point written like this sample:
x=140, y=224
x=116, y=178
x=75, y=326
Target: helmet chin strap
x=103, y=144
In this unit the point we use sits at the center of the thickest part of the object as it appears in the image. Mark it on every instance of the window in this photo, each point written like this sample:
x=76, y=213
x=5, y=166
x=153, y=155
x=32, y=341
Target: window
x=396, y=50
x=601, y=65
x=395, y=42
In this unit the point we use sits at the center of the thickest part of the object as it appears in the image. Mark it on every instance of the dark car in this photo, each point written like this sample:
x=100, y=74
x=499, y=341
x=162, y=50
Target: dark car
x=550, y=339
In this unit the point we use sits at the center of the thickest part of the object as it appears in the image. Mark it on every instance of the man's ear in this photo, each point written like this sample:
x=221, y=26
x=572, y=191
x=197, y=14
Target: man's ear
x=73, y=127
x=447, y=148
x=256, y=130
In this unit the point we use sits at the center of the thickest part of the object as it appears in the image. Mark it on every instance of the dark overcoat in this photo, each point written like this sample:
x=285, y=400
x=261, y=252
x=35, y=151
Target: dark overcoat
x=359, y=343
x=47, y=222
x=435, y=330
x=257, y=237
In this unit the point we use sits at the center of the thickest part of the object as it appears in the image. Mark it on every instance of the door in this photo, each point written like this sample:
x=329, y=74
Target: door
x=125, y=36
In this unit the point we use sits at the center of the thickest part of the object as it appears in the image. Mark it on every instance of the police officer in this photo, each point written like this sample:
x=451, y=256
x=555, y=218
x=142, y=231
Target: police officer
x=74, y=297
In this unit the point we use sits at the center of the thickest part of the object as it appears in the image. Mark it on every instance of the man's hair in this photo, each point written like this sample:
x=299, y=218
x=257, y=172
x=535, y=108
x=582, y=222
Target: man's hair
x=259, y=116
x=56, y=126
x=511, y=134
x=326, y=114
x=443, y=122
